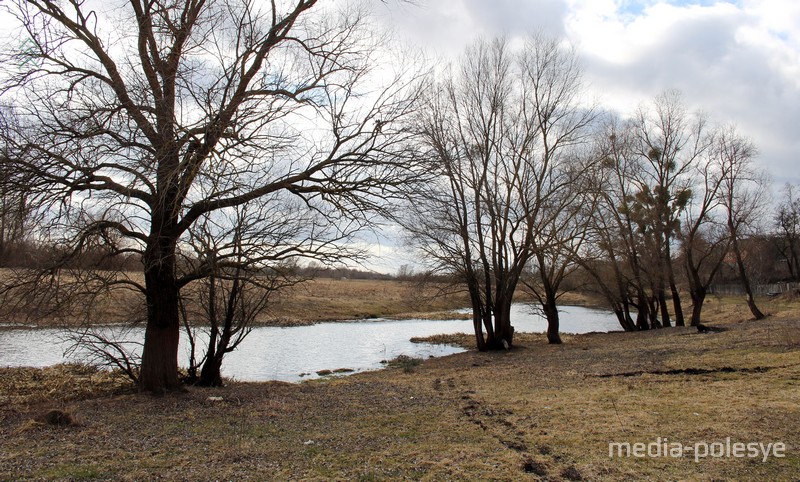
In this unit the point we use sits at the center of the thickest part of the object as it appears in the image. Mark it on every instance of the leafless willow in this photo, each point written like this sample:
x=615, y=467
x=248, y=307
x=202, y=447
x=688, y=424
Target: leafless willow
x=500, y=133
x=743, y=197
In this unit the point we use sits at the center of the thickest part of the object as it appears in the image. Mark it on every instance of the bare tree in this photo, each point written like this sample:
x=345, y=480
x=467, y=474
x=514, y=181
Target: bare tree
x=743, y=196
x=15, y=210
x=458, y=220
x=241, y=257
x=703, y=233
x=670, y=142
x=145, y=117
x=557, y=195
x=614, y=257
x=558, y=243
x=499, y=134
x=787, y=220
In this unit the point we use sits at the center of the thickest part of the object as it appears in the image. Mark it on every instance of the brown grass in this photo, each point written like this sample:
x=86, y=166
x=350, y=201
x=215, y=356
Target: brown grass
x=317, y=300
x=327, y=299
x=539, y=412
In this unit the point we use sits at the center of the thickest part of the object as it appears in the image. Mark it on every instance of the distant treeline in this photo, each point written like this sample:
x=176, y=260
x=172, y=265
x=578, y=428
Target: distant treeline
x=29, y=255
x=766, y=256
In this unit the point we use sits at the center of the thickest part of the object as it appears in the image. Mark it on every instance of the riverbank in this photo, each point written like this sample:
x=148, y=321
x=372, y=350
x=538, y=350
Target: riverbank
x=310, y=302
x=538, y=412
x=314, y=301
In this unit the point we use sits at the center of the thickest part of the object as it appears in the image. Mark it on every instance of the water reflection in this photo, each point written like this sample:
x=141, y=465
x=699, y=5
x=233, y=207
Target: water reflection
x=296, y=353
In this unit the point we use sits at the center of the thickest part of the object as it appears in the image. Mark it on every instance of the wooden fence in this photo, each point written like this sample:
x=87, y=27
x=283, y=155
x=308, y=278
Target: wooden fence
x=771, y=289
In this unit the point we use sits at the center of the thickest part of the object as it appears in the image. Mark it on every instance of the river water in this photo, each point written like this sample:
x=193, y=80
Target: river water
x=296, y=353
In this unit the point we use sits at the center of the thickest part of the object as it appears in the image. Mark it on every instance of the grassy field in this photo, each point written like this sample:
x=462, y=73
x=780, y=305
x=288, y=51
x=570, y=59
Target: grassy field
x=537, y=412
x=327, y=299
x=322, y=299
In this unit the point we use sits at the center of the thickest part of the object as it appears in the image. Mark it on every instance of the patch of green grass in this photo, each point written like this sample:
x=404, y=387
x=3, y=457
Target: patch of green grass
x=71, y=471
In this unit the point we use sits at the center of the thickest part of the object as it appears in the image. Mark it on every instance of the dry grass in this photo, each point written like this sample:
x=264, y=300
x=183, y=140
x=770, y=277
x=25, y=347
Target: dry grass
x=327, y=299
x=538, y=412
x=317, y=300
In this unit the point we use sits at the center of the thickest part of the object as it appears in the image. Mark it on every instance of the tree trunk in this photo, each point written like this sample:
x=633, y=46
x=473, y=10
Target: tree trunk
x=676, y=302
x=643, y=315
x=159, y=371
x=642, y=322
x=477, y=323
x=751, y=302
x=211, y=374
x=551, y=313
x=624, y=316
x=697, y=291
x=673, y=288
x=504, y=332
x=652, y=309
x=620, y=314
x=624, y=311
x=698, y=295
x=625, y=320
x=662, y=305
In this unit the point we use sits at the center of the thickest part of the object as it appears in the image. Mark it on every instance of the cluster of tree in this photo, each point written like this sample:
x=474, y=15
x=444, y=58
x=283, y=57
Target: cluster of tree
x=223, y=145
x=502, y=134
x=316, y=270
x=533, y=184
x=787, y=235
x=678, y=196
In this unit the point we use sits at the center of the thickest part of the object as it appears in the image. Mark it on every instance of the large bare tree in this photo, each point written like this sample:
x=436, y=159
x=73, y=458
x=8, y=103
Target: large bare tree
x=703, y=233
x=140, y=118
x=499, y=133
x=559, y=199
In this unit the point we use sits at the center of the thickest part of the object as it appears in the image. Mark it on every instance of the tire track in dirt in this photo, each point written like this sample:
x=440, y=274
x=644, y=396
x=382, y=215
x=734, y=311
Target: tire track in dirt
x=498, y=424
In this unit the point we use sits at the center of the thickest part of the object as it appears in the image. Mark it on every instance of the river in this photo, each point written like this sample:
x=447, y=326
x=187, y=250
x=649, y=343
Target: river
x=296, y=353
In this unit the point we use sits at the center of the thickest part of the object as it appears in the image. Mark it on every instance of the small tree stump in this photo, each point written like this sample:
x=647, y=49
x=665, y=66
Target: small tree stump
x=58, y=418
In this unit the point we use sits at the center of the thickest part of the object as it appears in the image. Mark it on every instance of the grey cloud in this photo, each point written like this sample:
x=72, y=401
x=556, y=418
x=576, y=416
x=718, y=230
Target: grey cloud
x=451, y=24
x=731, y=81
x=519, y=17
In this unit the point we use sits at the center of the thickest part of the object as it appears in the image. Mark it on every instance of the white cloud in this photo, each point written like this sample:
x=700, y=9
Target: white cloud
x=739, y=61
x=740, y=64
x=445, y=27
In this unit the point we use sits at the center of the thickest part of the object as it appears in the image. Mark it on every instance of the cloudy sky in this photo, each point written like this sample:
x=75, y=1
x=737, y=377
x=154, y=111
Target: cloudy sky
x=739, y=61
